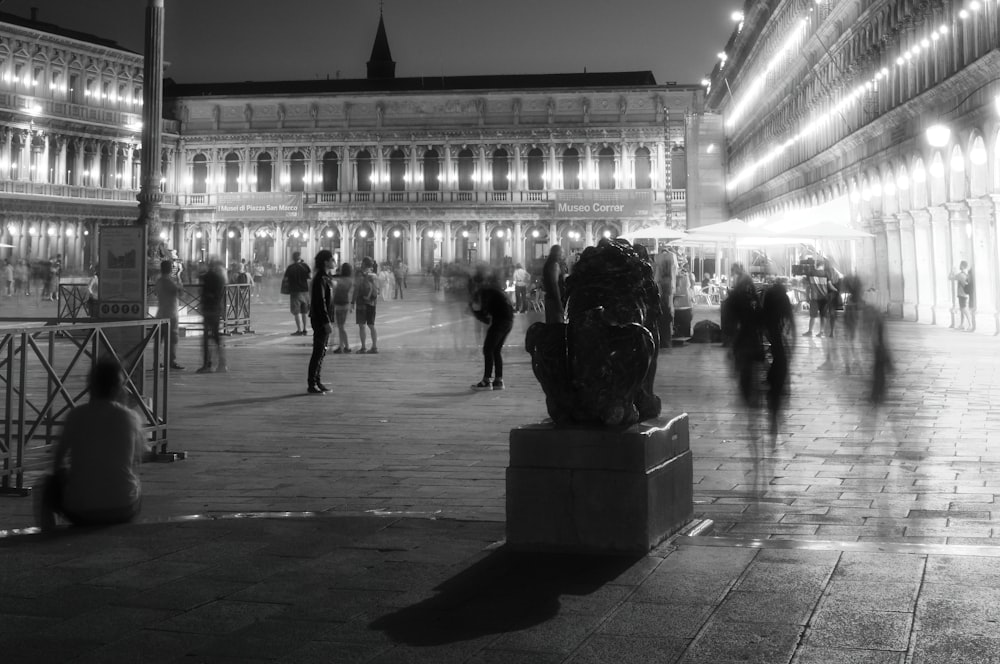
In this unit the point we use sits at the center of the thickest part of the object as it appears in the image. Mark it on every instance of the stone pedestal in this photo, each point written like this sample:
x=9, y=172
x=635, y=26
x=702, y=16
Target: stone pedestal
x=590, y=490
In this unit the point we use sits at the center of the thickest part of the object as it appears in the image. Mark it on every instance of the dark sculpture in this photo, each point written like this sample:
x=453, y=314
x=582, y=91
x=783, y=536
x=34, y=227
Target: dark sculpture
x=599, y=368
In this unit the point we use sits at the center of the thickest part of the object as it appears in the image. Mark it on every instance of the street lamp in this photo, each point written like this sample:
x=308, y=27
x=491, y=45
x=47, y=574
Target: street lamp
x=938, y=134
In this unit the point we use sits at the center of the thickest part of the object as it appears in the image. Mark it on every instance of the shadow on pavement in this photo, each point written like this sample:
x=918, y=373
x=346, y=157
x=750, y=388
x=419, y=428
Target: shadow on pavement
x=249, y=401
x=504, y=592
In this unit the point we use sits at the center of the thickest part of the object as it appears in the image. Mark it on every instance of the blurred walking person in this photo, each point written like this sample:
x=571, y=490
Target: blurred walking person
x=778, y=321
x=491, y=305
x=213, y=298
x=321, y=315
x=95, y=468
x=168, y=292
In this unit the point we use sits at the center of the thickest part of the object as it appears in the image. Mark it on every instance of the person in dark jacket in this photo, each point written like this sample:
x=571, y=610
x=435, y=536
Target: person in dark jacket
x=491, y=305
x=213, y=301
x=321, y=317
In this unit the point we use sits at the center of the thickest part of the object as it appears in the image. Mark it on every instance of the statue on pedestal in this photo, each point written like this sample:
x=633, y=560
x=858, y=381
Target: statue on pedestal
x=598, y=369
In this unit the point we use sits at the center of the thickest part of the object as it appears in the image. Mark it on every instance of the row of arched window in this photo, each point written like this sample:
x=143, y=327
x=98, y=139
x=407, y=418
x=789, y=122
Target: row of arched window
x=499, y=172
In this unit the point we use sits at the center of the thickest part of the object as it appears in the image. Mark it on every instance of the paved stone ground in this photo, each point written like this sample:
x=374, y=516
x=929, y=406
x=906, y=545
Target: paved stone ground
x=861, y=536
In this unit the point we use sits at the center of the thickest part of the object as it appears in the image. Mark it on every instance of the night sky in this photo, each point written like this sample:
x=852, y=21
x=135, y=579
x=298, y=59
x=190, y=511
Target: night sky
x=237, y=40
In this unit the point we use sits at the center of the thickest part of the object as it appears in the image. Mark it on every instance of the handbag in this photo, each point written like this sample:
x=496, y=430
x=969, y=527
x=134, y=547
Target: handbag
x=285, y=287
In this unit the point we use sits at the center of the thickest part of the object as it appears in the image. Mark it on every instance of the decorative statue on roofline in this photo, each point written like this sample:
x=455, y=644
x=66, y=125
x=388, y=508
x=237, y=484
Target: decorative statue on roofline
x=599, y=368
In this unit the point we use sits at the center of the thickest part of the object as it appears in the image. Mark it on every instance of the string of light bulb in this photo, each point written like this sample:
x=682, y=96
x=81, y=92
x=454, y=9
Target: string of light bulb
x=906, y=57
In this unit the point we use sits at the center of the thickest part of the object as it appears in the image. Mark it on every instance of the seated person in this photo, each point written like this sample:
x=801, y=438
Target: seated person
x=103, y=442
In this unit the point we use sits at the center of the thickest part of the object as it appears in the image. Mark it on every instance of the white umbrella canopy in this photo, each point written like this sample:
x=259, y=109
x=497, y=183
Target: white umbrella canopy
x=655, y=233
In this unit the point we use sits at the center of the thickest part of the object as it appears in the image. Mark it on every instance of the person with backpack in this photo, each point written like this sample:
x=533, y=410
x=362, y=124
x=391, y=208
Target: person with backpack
x=364, y=300
x=295, y=284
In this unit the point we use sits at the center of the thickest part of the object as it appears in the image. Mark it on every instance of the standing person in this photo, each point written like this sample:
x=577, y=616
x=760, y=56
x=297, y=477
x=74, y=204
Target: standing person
x=961, y=279
x=22, y=278
x=321, y=314
x=177, y=266
x=55, y=269
x=492, y=306
x=103, y=443
x=400, y=275
x=817, y=291
x=385, y=280
x=297, y=277
x=92, y=290
x=8, y=278
x=168, y=291
x=364, y=300
x=554, y=285
x=665, y=270
x=522, y=279
x=213, y=294
x=258, y=279
x=436, y=274
x=342, y=292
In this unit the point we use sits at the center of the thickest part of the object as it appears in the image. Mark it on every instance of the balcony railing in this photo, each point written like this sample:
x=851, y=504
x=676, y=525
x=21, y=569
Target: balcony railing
x=324, y=198
x=43, y=107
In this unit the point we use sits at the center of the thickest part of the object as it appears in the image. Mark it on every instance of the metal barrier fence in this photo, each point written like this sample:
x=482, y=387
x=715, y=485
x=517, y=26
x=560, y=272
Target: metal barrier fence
x=43, y=375
x=73, y=306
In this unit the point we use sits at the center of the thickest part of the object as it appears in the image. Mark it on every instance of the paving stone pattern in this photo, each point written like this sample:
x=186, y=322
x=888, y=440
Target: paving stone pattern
x=862, y=535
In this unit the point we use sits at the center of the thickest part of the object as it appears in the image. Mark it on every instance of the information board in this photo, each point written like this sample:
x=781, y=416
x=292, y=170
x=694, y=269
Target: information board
x=121, y=273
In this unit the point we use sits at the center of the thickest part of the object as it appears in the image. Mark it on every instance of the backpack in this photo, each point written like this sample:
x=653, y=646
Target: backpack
x=367, y=294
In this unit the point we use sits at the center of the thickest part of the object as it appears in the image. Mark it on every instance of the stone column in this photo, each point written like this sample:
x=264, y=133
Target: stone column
x=943, y=289
x=446, y=183
x=892, y=256
x=924, y=265
x=379, y=165
x=447, y=244
x=379, y=242
x=554, y=181
x=588, y=233
x=588, y=168
x=414, y=182
x=346, y=243
x=517, y=243
x=7, y=155
x=983, y=265
x=517, y=185
x=908, y=265
x=485, y=182
x=483, y=248
x=553, y=234
x=152, y=119
x=413, y=248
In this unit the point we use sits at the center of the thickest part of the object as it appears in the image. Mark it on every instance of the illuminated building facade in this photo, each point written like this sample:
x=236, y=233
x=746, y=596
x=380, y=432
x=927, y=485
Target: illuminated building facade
x=427, y=170
x=880, y=115
x=70, y=109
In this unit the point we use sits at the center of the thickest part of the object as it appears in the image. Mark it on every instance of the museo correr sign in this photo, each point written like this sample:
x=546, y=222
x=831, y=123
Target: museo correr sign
x=603, y=204
x=261, y=205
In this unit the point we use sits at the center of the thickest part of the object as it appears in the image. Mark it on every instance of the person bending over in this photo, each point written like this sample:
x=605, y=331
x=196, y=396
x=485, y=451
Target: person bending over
x=492, y=306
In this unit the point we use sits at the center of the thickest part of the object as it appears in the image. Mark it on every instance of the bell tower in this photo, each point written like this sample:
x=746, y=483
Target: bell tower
x=380, y=64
